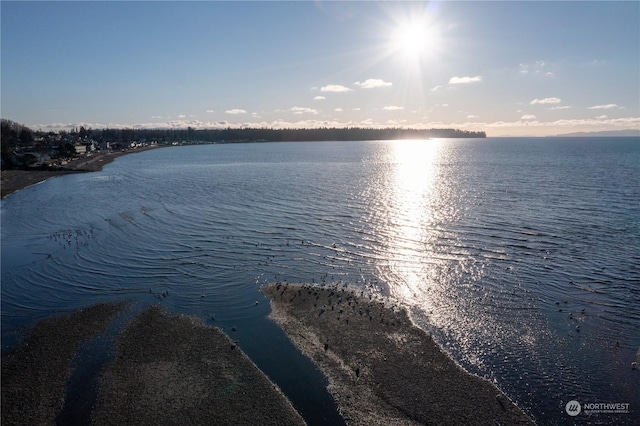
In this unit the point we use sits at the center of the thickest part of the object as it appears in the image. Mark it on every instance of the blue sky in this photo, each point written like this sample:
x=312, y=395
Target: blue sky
x=509, y=68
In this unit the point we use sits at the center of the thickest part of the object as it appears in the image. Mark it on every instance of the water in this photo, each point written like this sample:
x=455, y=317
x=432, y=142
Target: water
x=520, y=256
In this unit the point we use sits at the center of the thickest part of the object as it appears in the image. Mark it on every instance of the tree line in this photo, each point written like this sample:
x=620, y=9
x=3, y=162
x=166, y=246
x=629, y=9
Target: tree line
x=16, y=136
x=324, y=134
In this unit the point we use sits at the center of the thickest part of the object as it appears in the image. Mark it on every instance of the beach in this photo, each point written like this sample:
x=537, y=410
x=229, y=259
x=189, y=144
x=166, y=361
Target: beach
x=167, y=369
x=382, y=370
x=15, y=180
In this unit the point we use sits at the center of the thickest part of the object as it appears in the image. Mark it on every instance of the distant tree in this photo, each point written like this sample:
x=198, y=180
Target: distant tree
x=6, y=150
x=26, y=137
x=66, y=149
x=83, y=133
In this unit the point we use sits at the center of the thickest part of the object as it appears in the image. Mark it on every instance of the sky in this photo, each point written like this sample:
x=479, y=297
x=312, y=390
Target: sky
x=508, y=68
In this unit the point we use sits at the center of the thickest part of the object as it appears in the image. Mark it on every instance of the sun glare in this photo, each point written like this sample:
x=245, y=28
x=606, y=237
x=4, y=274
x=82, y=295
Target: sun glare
x=412, y=39
x=413, y=35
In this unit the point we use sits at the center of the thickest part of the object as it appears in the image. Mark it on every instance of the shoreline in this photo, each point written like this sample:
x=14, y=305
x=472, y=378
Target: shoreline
x=381, y=368
x=14, y=180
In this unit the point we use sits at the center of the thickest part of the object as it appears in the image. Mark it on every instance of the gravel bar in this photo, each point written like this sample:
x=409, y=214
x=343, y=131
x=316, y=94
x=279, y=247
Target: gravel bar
x=383, y=370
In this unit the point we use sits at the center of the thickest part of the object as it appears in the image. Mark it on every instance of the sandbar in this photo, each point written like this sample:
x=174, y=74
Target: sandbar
x=383, y=370
x=34, y=375
x=167, y=369
x=173, y=369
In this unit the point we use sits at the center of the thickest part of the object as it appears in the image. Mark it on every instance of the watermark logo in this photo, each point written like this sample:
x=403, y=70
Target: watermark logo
x=573, y=408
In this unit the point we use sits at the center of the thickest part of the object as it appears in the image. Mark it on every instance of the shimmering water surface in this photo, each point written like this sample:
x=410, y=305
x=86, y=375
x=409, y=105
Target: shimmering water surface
x=520, y=256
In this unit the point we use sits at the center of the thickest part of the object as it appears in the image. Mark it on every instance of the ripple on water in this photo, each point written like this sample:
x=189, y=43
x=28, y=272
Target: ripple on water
x=495, y=245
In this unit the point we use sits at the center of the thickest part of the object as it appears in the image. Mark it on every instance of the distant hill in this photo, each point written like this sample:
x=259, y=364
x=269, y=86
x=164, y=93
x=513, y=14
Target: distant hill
x=606, y=133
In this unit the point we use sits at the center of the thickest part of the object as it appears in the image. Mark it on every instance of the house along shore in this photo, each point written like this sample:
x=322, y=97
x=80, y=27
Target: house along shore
x=13, y=180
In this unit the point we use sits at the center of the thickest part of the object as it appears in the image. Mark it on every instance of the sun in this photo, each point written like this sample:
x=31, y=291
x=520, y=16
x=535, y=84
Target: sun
x=412, y=38
x=414, y=34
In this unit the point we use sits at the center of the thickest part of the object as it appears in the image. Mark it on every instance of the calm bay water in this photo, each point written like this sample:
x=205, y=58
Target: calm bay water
x=520, y=256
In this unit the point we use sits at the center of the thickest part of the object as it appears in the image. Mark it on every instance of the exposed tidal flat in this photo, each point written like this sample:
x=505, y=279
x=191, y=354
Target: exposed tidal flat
x=172, y=369
x=518, y=256
x=382, y=369
x=167, y=369
x=35, y=374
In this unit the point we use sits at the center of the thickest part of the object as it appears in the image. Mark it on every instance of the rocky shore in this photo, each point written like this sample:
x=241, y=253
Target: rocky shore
x=15, y=180
x=382, y=370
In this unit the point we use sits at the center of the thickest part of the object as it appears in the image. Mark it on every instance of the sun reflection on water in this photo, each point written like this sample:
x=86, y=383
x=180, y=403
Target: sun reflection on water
x=455, y=289
x=413, y=189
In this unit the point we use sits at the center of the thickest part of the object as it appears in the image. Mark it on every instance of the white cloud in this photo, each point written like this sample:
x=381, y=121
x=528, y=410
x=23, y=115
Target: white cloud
x=303, y=110
x=602, y=117
x=337, y=88
x=465, y=80
x=210, y=110
x=472, y=116
x=393, y=108
x=528, y=117
x=319, y=98
x=338, y=110
x=436, y=88
x=372, y=83
x=559, y=107
x=545, y=101
x=182, y=116
x=585, y=124
x=395, y=123
x=236, y=111
x=607, y=106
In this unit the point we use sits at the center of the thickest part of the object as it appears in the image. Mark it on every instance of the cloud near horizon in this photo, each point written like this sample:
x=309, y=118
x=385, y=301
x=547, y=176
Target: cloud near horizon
x=303, y=110
x=236, y=111
x=495, y=128
x=545, y=101
x=335, y=88
x=372, y=83
x=607, y=106
x=392, y=108
x=465, y=80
